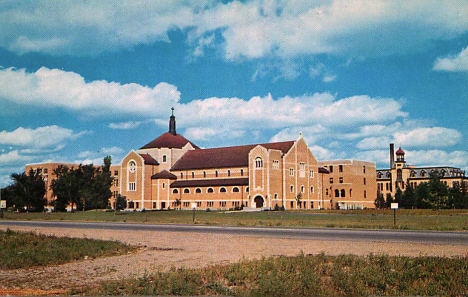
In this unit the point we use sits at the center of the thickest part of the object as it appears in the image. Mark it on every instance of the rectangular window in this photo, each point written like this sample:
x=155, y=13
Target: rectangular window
x=198, y=204
x=364, y=180
x=363, y=169
x=275, y=164
x=331, y=168
x=365, y=194
x=302, y=169
x=341, y=179
x=331, y=180
x=291, y=171
x=340, y=168
x=242, y=172
x=229, y=172
x=116, y=172
x=131, y=186
x=311, y=173
x=46, y=170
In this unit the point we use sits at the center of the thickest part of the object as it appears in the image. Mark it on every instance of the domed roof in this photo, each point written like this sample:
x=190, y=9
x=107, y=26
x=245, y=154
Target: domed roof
x=400, y=151
x=168, y=140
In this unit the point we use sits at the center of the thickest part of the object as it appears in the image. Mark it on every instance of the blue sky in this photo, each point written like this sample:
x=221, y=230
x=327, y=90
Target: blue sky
x=83, y=79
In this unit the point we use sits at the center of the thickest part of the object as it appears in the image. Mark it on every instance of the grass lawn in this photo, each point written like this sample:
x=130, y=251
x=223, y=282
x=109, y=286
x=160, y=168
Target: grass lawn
x=442, y=220
x=306, y=275
x=27, y=249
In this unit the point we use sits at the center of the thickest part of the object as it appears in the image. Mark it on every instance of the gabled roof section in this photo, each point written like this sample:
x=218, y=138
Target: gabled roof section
x=149, y=160
x=163, y=175
x=168, y=140
x=222, y=157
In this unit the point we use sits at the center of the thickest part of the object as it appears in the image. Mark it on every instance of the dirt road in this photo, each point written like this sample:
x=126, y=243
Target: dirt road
x=162, y=250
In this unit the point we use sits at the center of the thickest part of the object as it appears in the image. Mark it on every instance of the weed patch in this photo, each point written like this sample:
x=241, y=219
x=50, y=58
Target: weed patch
x=27, y=249
x=306, y=275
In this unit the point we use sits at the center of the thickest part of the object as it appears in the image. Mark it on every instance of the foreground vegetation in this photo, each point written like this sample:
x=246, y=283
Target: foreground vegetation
x=306, y=275
x=441, y=220
x=27, y=249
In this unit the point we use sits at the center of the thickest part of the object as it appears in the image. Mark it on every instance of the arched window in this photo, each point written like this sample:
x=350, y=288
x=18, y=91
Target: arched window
x=164, y=158
x=276, y=196
x=343, y=193
x=258, y=162
x=337, y=193
x=193, y=174
x=246, y=189
x=204, y=173
x=198, y=190
x=291, y=189
x=186, y=191
x=222, y=190
x=216, y=173
x=229, y=172
x=311, y=189
x=181, y=175
x=242, y=172
x=302, y=189
x=210, y=190
x=399, y=174
x=163, y=185
x=379, y=174
x=235, y=190
x=175, y=191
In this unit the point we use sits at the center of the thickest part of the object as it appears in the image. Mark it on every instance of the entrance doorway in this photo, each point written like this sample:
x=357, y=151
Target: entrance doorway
x=258, y=201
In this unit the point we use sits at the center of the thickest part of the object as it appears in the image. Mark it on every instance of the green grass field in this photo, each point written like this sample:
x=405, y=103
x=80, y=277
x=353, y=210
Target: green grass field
x=306, y=275
x=442, y=220
x=27, y=249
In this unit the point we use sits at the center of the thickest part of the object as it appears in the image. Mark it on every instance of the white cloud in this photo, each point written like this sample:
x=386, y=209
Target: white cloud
x=321, y=153
x=453, y=63
x=250, y=29
x=415, y=137
x=41, y=137
x=437, y=158
x=125, y=125
x=57, y=88
x=14, y=157
x=329, y=78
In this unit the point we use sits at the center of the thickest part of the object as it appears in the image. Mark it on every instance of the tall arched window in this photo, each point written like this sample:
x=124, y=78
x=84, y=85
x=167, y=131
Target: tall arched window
x=216, y=173
x=399, y=174
x=343, y=193
x=258, y=162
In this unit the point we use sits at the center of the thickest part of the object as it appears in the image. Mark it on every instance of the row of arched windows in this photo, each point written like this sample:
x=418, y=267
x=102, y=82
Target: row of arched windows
x=209, y=190
x=216, y=173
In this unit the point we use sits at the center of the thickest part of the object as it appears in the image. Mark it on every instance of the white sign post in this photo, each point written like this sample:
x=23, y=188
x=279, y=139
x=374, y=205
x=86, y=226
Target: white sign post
x=2, y=207
x=394, y=206
x=194, y=206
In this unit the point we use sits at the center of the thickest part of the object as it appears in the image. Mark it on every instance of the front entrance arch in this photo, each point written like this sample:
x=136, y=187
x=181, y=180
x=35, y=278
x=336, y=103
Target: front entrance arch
x=259, y=201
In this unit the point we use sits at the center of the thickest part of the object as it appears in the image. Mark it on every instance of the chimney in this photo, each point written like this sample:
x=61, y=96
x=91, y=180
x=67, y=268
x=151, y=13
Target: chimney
x=172, y=123
x=392, y=155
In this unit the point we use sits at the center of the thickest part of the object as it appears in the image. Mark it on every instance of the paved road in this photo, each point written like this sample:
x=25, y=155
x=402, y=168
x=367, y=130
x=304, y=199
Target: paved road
x=429, y=237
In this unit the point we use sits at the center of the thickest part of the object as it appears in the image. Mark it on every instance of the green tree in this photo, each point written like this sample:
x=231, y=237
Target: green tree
x=120, y=202
x=398, y=196
x=27, y=191
x=408, y=199
x=422, y=194
x=65, y=188
x=438, y=192
x=379, y=201
x=389, y=200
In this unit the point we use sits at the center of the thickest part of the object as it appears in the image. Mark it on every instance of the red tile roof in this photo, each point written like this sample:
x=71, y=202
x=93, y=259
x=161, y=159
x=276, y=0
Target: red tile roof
x=163, y=175
x=222, y=157
x=400, y=152
x=149, y=160
x=167, y=140
x=243, y=181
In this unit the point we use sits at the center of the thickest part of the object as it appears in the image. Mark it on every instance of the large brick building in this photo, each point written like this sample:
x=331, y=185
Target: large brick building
x=172, y=172
x=400, y=175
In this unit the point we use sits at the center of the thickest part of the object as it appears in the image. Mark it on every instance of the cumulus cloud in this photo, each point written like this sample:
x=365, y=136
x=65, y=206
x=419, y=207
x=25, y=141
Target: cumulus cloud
x=416, y=137
x=437, y=157
x=453, y=63
x=248, y=29
x=14, y=157
x=41, y=137
x=58, y=88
